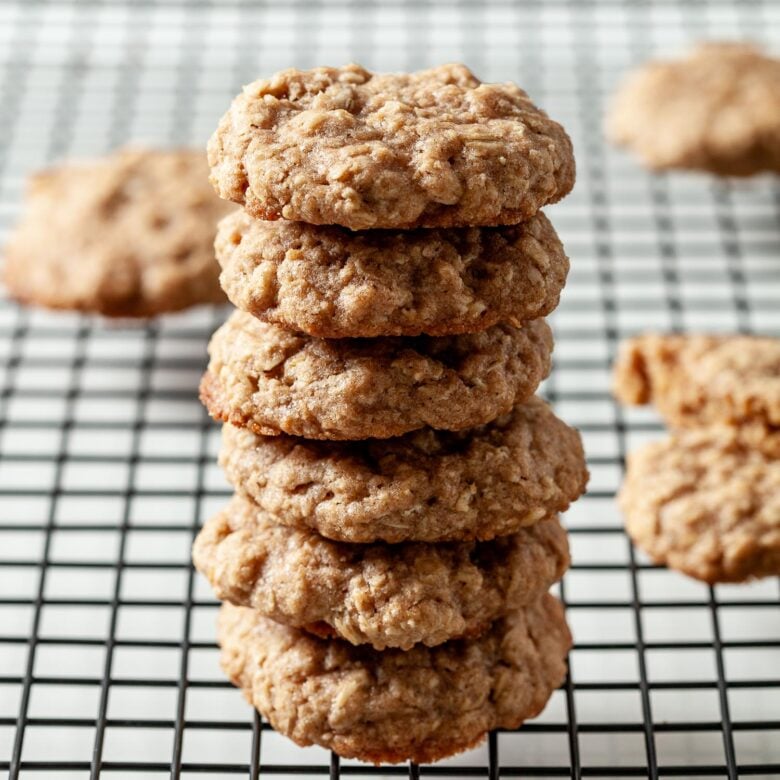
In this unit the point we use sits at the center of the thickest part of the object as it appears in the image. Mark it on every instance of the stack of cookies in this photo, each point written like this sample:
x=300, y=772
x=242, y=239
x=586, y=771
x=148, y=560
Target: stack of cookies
x=386, y=558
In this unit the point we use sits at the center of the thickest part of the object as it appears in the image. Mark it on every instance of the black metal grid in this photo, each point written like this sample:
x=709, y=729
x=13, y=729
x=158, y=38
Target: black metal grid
x=107, y=659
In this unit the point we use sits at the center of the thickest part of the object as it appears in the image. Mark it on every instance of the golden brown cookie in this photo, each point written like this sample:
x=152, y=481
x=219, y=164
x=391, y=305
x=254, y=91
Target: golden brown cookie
x=330, y=282
x=130, y=235
x=717, y=110
x=273, y=381
x=385, y=595
x=427, y=485
x=388, y=706
x=700, y=380
x=342, y=146
x=708, y=502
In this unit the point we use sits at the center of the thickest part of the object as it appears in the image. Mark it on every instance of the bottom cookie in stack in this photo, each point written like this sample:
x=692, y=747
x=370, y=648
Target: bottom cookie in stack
x=422, y=704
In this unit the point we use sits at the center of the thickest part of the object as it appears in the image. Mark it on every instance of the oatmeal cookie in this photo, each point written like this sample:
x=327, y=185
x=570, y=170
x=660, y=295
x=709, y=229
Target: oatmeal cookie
x=700, y=380
x=331, y=282
x=436, y=148
x=130, y=235
x=707, y=502
x=273, y=381
x=422, y=705
x=385, y=595
x=427, y=485
x=718, y=110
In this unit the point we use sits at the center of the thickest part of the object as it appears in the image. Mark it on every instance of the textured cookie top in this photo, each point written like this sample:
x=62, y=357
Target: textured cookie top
x=421, y=705
x=273, y=381
x=428, y=485
x=717, y=110
x=331, y=282
x=342, y=146
x=130, y=235
x=385, y=595
x=699, y=380
x=708, y=502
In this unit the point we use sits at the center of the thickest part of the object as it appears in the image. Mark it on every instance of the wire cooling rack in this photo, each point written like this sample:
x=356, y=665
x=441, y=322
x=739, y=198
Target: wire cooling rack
x=108, y=666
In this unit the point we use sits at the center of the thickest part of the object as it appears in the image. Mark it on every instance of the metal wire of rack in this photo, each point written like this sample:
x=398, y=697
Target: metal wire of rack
x=107, y=462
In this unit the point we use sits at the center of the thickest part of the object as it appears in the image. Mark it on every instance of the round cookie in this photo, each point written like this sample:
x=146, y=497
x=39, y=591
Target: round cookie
x=427, y=485
x=419, y=705
x=717, y=110
x=129, y=235
x=273, y=381
x=342, y=146
x=708, y=502
x=330, y=282
x=385, y=595
x=697, y=380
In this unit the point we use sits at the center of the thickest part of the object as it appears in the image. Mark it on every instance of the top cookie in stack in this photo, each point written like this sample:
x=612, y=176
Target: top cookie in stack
x=437, y=148
x=392, y=269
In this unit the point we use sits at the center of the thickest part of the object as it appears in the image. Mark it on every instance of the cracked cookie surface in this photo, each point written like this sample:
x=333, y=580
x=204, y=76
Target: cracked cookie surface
x=129, y=235
x=388, y=706
x=330, y=282
x=385, y=595
x=273, y=381
x=343, y=146
x=717, y=110
x=427, y=485
x=708, y=502
x=696, y=380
